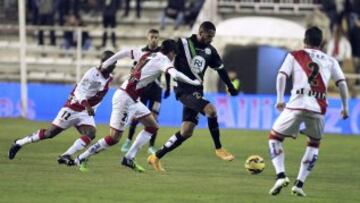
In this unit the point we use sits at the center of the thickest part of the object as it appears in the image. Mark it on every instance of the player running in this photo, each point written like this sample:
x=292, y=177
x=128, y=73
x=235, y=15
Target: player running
x=78, y=111
x=151, y=95
x=195, y=55
x=125, y=104
x=311, y=70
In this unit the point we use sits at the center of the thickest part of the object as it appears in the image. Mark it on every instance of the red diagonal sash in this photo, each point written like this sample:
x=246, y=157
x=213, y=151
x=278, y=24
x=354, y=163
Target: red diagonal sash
x=303, y=59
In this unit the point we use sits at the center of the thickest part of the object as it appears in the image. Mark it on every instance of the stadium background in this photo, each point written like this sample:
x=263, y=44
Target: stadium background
x=253, y=37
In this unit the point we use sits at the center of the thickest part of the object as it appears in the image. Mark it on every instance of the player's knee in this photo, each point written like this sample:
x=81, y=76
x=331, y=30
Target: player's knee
x=91, y=134
x=49, y=133
x=152, y=129
x=313, y=143
x=275, y=136
x=210, y=111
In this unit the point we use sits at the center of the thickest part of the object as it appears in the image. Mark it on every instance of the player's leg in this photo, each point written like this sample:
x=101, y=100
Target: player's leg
x=87, y=135
x=154, y=106
x=64, y=119
x=150, y=128
x=121, y=103
x=314, y=130
x=213, y=125
x=127, y=144
x=286, y=125
x=38, y=135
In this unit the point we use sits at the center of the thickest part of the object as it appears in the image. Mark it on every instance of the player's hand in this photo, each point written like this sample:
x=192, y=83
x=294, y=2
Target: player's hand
x=280, y=106
x=90, y=111
x=233, y=91
x=196, y=82
x=345, y=114
x=167, y=93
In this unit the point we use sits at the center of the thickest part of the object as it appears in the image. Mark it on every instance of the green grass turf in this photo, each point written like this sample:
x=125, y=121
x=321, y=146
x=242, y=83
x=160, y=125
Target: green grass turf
x=194, y=173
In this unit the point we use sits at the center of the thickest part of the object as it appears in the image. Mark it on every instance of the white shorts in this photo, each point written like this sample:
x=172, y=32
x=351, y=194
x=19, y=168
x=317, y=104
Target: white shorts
x=289, y=121
x=67, y=118
x=125, y=109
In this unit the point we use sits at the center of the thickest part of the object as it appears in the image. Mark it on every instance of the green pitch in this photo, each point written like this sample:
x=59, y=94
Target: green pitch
x=194, y=173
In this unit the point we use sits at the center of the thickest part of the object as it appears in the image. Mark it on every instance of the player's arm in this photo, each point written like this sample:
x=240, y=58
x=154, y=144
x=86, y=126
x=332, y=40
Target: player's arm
x=126, y=53
x=167, y=88
x=284, y=73
x=217, y=64
x=181, y=77
x=339, y=78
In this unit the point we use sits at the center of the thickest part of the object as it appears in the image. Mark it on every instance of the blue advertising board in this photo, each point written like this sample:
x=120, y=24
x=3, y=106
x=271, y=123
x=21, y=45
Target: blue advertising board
x=255, y=112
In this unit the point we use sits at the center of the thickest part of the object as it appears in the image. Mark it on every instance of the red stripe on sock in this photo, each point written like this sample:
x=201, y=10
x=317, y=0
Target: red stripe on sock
x=86, y=139
x=313, y=144
x=42, y=134
x=273, y=136
x=109, y=140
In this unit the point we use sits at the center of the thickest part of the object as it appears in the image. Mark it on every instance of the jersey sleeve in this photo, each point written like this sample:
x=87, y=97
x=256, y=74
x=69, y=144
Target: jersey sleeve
x=165, y=65
x=215, y=62
x=287, y=66
x=336, y=73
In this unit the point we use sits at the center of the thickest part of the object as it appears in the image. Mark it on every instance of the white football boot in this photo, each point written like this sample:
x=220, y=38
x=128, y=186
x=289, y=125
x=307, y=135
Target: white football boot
x=298, y=191
x=279, y=184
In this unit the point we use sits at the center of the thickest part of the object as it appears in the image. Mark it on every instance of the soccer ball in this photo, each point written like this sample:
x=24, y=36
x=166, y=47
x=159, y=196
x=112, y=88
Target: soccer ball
x=254, y=164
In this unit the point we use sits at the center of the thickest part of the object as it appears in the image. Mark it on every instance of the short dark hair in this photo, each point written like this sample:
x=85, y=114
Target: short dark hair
x=313, y=36
x=207, y=26
x=168, y=46
x=106, y=55
x=153, y=31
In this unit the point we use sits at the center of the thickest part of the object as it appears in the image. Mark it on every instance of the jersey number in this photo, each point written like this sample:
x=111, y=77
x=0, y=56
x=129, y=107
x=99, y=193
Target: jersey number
x=65, y=115
x=314, y=67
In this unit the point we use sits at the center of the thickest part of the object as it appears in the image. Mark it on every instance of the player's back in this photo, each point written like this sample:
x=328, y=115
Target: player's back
x=311, y=72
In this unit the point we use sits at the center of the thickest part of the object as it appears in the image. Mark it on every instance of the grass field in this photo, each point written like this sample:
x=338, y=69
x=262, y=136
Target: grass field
x=194, y=173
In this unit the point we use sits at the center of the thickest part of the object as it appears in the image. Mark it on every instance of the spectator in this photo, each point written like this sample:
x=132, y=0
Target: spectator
x=175, y=10
x=68, y=7
x=46, y=10
x=109, y=20
x=320, y=20
x=193, y=11
x=354, y=34
x=127, y=8
x=339, y=47
x=70, y=37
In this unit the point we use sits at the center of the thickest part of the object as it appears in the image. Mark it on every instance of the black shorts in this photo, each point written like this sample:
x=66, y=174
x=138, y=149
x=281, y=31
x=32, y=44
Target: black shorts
x=151, y=97
x=193, y=105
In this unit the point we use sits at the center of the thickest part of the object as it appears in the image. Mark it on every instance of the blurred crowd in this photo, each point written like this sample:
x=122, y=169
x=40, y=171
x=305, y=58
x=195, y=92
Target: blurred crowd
x=340, y=23
x=69, y=12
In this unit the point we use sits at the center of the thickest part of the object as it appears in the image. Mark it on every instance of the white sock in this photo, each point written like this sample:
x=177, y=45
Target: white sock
x=307, y=162
x=100, y=145
x=29, y=139
x=277, y=155
x=142, y=138
x=78, y=145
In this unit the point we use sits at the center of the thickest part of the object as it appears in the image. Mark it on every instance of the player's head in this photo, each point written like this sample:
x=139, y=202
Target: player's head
x=153, y=38
x=169, y=47
x=313, y=37
x=207, y=31
x=105, y=56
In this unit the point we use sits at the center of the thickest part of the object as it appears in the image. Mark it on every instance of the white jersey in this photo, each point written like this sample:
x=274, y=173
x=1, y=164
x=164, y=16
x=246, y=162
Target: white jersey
x=148, y=68
x=311, y=71
x=91, y=88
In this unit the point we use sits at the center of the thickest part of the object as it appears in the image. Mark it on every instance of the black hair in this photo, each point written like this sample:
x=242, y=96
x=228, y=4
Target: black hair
x=313, y=36
x=154, y=31
x=106, y=55
x=207, y=26
x=168, y=46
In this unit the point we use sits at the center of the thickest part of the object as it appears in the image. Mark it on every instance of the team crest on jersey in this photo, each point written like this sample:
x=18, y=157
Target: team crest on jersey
x=207, y=51
x=197, y=95
x=198, y=64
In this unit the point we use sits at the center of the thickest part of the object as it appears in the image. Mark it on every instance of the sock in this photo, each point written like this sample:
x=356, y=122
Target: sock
x=172, y=143
x=36, y=136
x=132, y=130
x=99, y=146
x=308, y=162
x=214, y=131
x=142, y=138
x=152, y=140
x=277, y=154
x=78, y=145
